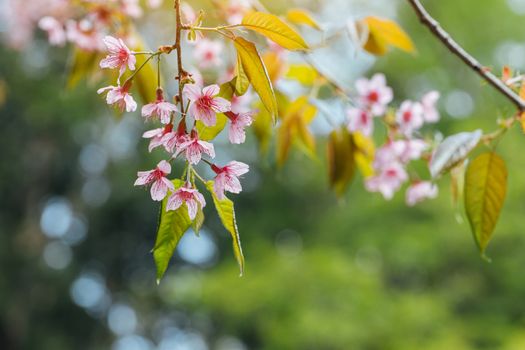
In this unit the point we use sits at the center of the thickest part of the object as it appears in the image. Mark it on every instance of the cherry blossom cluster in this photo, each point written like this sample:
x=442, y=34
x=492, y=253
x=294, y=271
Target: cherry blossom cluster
x=177, y=134
x=404, y=143
x=83, y=23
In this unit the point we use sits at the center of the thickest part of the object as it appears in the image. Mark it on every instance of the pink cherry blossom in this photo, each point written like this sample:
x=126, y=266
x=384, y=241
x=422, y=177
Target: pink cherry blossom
x=238, y=122
x=189, y=196
x=84, y=35
x=119, y=55
x=227, y=178
x=236, y=9
x=157, y=178
x=242, y=103
x=120, y=97
x=188, y=13
x=409, y=117
x=159, y=109
x=205, y=104
x=420, y=191
x=360, y=120
x=207, y=53
x=193, y=149
x=430, y=112
x=388, y=180
x=174, y=139
x=156, y=137
x=55, y=30
x=411, y=149
x=131, y=8
x=374, y=94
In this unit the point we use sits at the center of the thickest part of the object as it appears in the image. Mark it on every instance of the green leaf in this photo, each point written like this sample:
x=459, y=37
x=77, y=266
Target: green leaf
x=197, y=223
x=255, y=70
x=274, y=29
x=226, y=213
x=485, y=189
x=208, y=133
x=172, y=226
x=145, y=81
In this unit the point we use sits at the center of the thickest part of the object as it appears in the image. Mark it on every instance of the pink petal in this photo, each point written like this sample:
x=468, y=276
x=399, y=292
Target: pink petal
x=192, y=92
x=164, y=166
x=211, y=90
x=158, y=190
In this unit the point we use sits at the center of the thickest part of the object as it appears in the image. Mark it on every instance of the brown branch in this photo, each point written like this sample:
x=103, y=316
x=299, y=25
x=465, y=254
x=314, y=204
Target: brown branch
x=468, y=59
x=177, y=47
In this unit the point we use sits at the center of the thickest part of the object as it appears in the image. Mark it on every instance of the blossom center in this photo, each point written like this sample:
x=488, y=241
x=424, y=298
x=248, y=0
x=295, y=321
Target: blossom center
x=373, y=96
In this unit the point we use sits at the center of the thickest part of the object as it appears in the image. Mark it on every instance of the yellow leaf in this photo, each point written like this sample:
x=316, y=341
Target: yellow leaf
x=364, y=154
x=485, y=189
x=341, y=161
x=256, y=73
x=208, y=133
x=294, y=129
x=262, y=125
x=83, y=65
x=274, y=29
x=274, y=65
x=384, y=33
x=226, y=213
x=242, y=83
x=303, y=73
x=146, y=80
x=300, y=16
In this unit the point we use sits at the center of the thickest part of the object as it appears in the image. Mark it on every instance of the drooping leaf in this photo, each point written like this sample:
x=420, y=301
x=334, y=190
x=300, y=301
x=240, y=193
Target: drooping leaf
x=341, y=162
x=485, y=189
x=262, y=126
x=453, y=150
x=274, y=65
x=146, y=80
x=256, y=72
x=172, y=226
x=207, y=133
x=302, y=73
x=300, y=16
x=293, y=129
x=83, y=65
x=364, y=154
x=242, y=83
x=226, y=212
x=384, y=33
x=274, y=29
x=198, y=222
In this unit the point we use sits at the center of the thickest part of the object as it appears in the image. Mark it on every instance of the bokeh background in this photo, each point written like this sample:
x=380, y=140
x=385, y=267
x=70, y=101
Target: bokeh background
x=361, y=273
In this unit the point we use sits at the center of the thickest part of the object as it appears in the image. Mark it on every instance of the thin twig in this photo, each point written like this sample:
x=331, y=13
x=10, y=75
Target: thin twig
x=468, y=59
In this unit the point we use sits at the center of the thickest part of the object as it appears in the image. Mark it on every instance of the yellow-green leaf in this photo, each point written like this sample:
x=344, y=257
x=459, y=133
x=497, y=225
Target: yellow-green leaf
x=226, y=212
x=341, y=162
x=255, y=70
x=364, y=154
x=207, y=133
x=300, y=16
x=242, y=83
x=384, y=33
x=83, y=65
x=274, y=64
x=274, y=29
x=485, y=189
x=172, y=226
x=146, y=80
x=262, y=126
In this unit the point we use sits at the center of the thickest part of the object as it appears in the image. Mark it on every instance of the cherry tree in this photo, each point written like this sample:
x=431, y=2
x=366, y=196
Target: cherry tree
x=233, y=85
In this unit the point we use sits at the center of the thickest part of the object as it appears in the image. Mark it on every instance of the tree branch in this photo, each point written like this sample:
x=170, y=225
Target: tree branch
x=177, y=47
x=468, y=59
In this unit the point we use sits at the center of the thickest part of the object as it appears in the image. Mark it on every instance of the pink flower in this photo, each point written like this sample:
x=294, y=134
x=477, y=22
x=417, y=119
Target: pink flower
x=159, y=109
x=119, y=55
x=207, y=53
x=360, y=120
x=419, y=191
x=374, y=94
x=55, y=30
x=227, y=178
x=242, y=103
x=408, y=150
x=430, y=112
x=193, y=149
x=84, y=34
x=236, y=10
x=157, y=137
x=204, y=104
x=188, y=195
x=174, y=139
x=188, y=13
x=388, y=181
x=131, y=8
x=409, y=117
x=156, y=177
x=120, y=97
x=238, y=121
